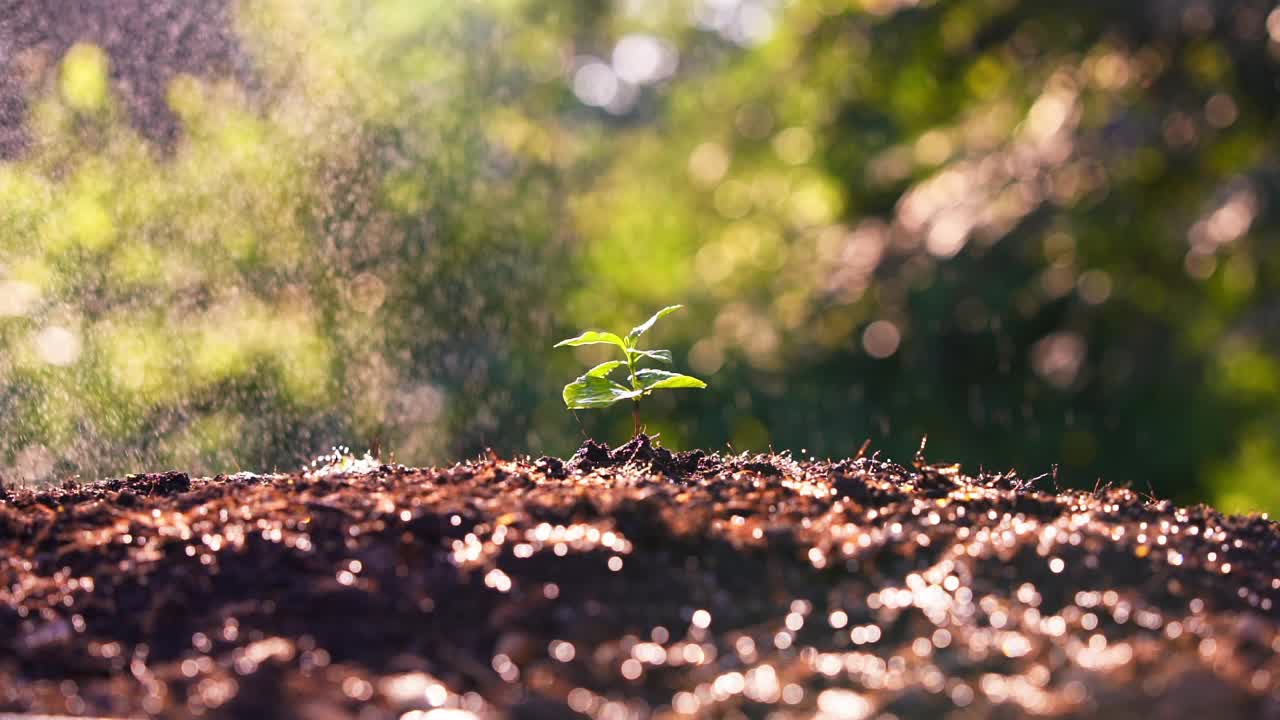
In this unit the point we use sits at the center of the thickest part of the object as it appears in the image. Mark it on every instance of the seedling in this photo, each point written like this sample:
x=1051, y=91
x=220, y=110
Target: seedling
x=596, y=390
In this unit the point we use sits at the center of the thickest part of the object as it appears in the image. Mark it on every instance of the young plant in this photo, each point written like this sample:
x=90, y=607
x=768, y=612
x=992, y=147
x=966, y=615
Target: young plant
x=596, y=390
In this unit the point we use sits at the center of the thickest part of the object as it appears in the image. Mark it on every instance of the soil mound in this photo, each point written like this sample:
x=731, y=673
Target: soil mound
x=632, y=582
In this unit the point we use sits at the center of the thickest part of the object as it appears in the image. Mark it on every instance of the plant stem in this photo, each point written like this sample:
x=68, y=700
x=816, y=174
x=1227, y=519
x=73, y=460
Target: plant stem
x=635, y=385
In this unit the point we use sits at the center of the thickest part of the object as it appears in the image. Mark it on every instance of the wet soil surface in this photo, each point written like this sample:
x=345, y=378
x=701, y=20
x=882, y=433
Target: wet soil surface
x=629, y=583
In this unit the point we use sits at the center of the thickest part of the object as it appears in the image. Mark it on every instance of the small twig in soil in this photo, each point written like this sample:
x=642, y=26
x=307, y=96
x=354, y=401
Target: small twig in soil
x=919, y=460
x=1036, y=479
x=1151, y=491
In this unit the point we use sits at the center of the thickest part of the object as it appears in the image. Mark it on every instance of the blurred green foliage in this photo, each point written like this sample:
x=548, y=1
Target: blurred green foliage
x=1038, y=233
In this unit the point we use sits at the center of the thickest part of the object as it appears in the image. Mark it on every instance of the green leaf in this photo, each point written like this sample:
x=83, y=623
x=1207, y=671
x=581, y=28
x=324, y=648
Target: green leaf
x=604, y=368
x=659, y=355
x=595, y=392
x=639, y=330
x=594, y=337
x=650, y=379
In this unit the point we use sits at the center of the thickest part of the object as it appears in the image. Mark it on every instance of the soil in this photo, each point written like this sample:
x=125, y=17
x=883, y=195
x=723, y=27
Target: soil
x=627, y=583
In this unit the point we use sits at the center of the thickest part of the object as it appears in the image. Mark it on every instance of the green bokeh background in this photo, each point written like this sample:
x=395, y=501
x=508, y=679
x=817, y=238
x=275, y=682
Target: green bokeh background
x=1039, y=233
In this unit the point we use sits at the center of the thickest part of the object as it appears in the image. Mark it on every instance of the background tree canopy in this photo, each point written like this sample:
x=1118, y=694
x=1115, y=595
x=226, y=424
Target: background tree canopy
x=235, y=234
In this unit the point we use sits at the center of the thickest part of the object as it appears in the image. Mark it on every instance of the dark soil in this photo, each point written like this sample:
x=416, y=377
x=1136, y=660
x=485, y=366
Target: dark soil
x=629, y=583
